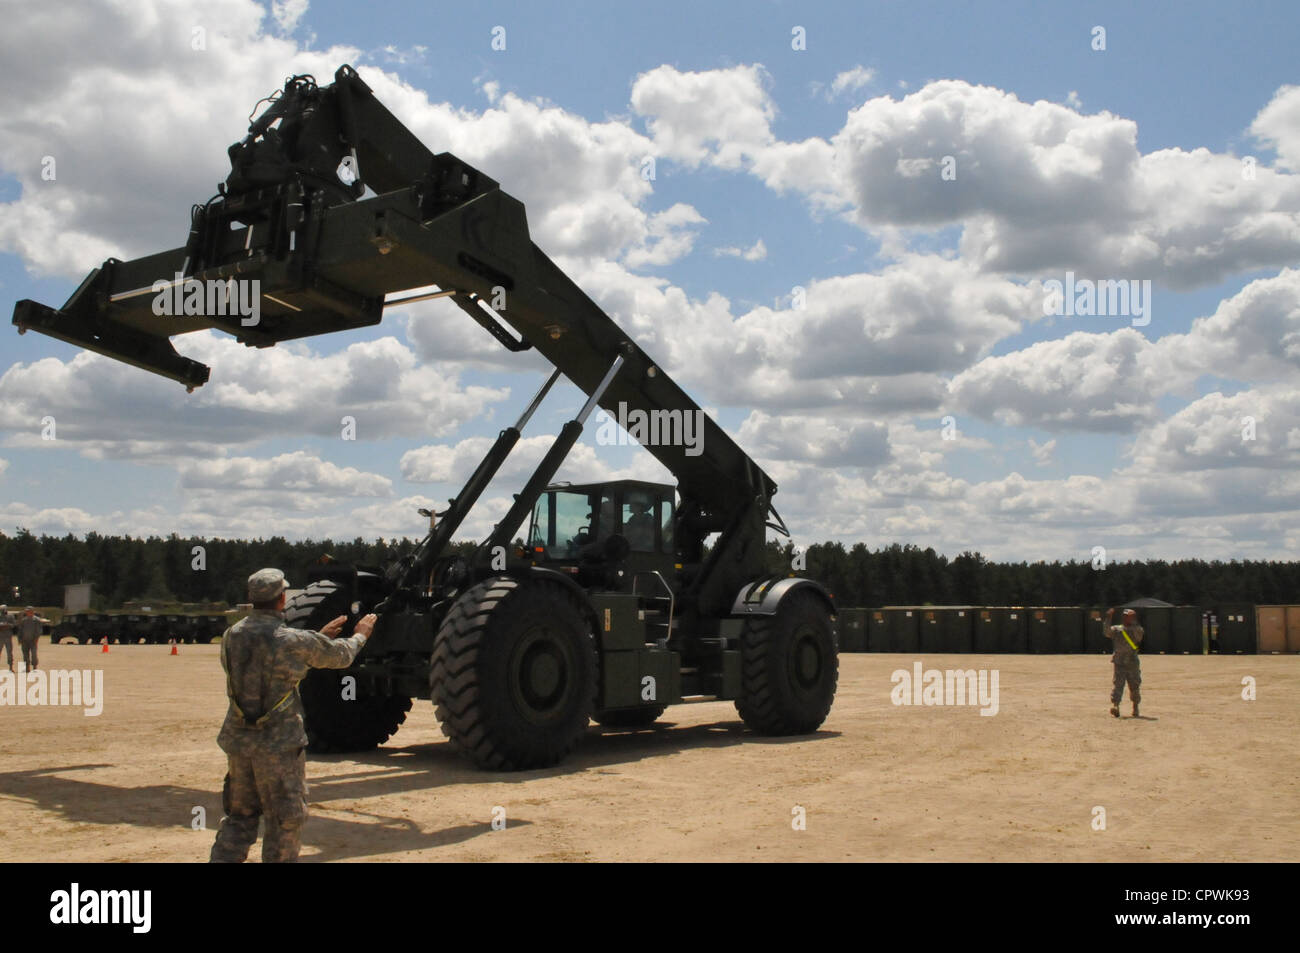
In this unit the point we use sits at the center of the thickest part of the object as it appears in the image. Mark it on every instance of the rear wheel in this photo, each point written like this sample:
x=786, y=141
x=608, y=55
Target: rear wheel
x=514, y=673
x=339, y=717
x=629, y=717
x=789, y=667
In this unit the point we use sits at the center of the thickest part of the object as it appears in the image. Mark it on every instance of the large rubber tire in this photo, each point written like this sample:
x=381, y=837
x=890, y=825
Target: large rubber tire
x=789, y=667
x=514, y=673
x=629, y=717
x=335, y=725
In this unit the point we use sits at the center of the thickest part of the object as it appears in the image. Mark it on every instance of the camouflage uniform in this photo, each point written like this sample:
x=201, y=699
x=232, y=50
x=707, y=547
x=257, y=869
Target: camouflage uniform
x=7, y=636
x=29, y=633
x=1128, y=669
x=263, y=734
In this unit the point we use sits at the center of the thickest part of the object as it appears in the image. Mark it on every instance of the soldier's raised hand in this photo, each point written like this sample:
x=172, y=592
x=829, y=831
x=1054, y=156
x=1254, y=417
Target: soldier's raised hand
x=334, y=627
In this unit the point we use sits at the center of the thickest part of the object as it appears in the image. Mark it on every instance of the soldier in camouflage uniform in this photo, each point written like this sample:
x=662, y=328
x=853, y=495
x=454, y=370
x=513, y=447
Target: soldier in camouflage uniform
x=29, y=635
x=1128, y=670
x=7, y=635
x=263, y=734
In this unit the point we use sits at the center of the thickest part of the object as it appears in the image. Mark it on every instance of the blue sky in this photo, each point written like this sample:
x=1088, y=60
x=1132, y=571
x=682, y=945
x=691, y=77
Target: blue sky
x=823, y=163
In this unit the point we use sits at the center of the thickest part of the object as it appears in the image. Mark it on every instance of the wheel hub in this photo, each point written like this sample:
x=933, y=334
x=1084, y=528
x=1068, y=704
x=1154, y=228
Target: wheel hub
x=805, y=661
x=543, y=672
x=540, y=674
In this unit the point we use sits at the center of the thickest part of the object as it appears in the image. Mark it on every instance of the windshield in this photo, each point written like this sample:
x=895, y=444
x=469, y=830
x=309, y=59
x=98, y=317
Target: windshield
x=565, y=521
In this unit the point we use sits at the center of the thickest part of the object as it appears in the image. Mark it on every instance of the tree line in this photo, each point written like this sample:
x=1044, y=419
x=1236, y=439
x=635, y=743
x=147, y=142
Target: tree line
x=163, y=571
x=193, y=570
x=909, y=575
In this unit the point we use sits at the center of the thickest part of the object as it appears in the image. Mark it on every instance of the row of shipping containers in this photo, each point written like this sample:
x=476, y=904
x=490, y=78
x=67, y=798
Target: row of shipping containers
x=125, y=628
x=1229, y=629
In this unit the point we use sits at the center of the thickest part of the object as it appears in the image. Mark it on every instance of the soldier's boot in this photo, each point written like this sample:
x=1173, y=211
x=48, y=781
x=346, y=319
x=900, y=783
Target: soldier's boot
x=1135, y=709
x=283, y=840
x=1114, y=710
x=234, y=838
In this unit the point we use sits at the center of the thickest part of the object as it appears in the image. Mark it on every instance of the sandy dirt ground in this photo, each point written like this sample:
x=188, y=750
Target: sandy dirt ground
x=1203, y=775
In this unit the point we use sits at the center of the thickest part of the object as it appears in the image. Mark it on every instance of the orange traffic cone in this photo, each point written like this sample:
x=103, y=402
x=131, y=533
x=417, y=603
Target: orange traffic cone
x=173, y=643
x=104, y=650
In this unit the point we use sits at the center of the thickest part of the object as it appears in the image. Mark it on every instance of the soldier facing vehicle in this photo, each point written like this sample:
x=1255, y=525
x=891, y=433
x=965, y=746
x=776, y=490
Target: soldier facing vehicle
x=1128, y=669
x=263, y=735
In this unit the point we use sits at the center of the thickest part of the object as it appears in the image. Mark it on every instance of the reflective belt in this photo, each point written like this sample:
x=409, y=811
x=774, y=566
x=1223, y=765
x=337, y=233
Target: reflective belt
x=1124, y=632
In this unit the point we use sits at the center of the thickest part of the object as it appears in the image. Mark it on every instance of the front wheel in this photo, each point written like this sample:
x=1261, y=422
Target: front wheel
x=514, y=673
x=789, y=667
x=339, y=717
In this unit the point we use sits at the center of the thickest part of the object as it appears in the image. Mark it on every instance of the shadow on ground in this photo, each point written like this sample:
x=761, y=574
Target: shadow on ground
x=424, y=766
x=169, y=807
x=384, y=771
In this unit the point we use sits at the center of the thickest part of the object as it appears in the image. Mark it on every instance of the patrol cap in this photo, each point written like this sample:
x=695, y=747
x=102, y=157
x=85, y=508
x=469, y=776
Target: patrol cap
x=265, y=584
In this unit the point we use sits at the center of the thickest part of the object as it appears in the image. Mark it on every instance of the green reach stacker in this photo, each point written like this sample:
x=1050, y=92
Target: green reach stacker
x=616, y=599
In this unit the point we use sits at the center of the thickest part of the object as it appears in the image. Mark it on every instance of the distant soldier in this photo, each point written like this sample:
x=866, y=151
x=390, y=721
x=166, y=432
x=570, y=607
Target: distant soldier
x=263, y=734
x=29, y=633
x=1128, y=670
x=7, y=635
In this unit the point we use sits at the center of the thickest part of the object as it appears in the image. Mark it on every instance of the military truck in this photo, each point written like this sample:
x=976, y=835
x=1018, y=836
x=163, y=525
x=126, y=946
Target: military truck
x=617, y=599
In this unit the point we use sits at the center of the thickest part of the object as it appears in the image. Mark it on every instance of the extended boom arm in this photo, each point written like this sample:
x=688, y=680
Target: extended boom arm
x=291, y=218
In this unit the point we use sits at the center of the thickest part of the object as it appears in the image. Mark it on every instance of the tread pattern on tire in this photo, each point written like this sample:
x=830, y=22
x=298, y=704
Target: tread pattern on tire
x=335, y=726
x=760, y=704
x=456, y=688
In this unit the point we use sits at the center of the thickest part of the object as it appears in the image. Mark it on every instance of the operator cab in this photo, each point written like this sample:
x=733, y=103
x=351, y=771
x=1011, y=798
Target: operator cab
x=622, y=525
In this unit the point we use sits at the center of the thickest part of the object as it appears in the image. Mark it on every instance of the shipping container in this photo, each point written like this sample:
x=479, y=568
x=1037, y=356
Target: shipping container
x=1094, y=632
x=1055, y=629
x=1156, y=622
x=1270, y=623
x=877, y=631
x=1236, y=635
x=1042, y=631
x=930, y=627
x=850, y=628
x=1293, y=628
x=903, y=626
x=1187, y=636
x=1015, y=630
x=958, y=629
x=997, y=629
x=987, y=631
x=945, y=628
x=1069, y=628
